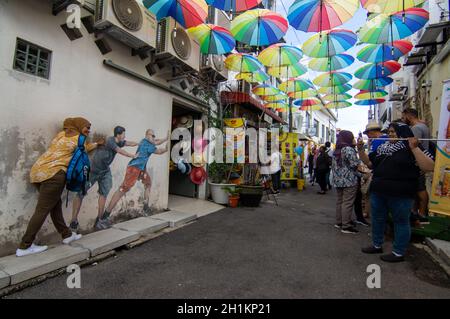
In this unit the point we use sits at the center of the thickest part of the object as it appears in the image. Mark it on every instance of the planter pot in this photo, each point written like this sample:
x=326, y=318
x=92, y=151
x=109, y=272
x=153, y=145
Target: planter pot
x=233, y=201
x=251, y=196
x=218, y=194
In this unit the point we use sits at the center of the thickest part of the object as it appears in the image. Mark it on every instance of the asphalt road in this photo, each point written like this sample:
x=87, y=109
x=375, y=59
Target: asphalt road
x=289, y=251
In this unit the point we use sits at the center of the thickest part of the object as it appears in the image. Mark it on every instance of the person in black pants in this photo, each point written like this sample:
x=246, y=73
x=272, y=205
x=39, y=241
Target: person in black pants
x=358, y=207
x=322, y=168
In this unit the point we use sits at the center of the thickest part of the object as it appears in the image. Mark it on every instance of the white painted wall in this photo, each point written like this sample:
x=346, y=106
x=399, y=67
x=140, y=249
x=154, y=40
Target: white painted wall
x=33, y=109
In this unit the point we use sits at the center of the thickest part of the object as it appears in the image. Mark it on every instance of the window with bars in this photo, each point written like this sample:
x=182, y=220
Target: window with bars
x=32, y=59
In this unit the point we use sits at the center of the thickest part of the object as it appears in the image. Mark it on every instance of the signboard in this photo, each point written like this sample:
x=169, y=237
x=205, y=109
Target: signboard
x=288, y=143
x=440, y=194
x=268, y=119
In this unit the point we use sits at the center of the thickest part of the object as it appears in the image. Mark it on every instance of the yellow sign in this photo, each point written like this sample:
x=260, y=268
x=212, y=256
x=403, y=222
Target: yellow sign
x=288, y=143
x=440, y=195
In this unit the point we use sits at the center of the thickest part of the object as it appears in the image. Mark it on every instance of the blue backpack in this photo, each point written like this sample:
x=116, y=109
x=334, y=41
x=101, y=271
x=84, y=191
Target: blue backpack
x=78, y=170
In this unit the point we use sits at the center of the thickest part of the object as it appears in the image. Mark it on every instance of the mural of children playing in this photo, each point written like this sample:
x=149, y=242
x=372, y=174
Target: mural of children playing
x=137, y=170
x=49, y=175
x=101, y=174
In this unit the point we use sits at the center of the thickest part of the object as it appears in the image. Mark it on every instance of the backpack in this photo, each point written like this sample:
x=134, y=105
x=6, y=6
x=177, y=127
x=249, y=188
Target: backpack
x=77, y=175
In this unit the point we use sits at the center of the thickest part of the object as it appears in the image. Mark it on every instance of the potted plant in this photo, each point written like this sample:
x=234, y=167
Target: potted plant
x=233, y=196
x=251, y=191
x=218, y=174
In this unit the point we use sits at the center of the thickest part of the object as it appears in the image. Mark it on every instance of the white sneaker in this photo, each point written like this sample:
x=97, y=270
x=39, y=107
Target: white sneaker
x=72, y=238
x=33, y=249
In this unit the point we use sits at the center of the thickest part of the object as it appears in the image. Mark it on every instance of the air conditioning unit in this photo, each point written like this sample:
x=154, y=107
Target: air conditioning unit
x=127, y=21
x=175, y=45
x=215, y=65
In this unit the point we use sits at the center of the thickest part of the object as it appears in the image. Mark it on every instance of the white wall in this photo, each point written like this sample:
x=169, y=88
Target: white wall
x=33, y=109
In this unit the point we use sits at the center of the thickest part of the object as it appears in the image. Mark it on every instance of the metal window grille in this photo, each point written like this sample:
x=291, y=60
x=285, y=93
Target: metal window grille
x=32, y=59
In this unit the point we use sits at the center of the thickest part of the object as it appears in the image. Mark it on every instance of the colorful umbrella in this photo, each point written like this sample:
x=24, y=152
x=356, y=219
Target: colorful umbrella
x=302, y=94
x=274, y=98
x=310, y=108
x=389, y=6
x=213, y=39
x=370, y=102
x=370, y=95
x=332, y=79
x=320, y=15
x=377, y=70
x=329, y=43
x=335, y=89
x=388, y=28
x=375, y=53
x=280, y=54
x=332, y=63
x=373, y=84
x=338, y=105
x=188, y=13
x=234, y=5
x=253, y=77
x=306, y=102
x=259, y=27
x=277, y=105
x=265, y=89
x=295, y=85
x=337, y=97
x=287, y=71
x=240, y=62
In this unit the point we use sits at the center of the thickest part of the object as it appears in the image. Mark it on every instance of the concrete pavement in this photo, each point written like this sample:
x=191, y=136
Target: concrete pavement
x=290, y=251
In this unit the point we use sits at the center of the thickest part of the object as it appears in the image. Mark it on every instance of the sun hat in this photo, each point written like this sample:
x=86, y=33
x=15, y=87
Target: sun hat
x=198, y=175
x=372, y=126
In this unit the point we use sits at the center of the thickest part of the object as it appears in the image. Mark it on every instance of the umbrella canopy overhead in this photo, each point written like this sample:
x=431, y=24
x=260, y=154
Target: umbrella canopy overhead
x=234, y=5
x=330, y=79
x=389, y=6
x=370, y=102
x=370, y=95
x=338, y=89
x=332, y=63
x=259, y=27
x=373, y=84
x=306, y=102
x=329, y=43
x=304, y=94
x=277, y=105
x=274, y=98
x=295, y=85
x=320, y=15
x=377, y=70
x=337, y=97
x=188, y=13
x=280, y=54
x=253, y=77
x=265, y=89
x=383, y=28
x=375, y=53
x=338, y=105
x=287, y=71
x=240, y=62
x=213, y=39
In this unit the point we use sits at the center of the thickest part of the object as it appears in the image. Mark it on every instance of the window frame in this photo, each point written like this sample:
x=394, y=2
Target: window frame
x=30, y=45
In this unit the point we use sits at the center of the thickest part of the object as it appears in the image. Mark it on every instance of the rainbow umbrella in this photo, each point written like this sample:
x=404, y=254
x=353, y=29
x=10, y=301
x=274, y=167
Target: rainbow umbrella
x=373, y=84
x=213, y=39
x=384, y=28
x=295, y=85
x=259, y=27
x=265, y=89
x=389, y=6
x=370, y=95
x=332, y=79
x=310, y=108
x=320, y=15
x=332, y=63
x=280, y=54
x=188, y=13
x=375, y=53
x=277, y=105
x=287, y=71
x=304, y=94
x=329, y=43
x=240, y=62
x=234, y=5
x=253, y=77
x=338, y=89
x=337, y=97
x=377, y=70
x=306, y=102
x=337, y=105
x=274, y=98
x=370, y=102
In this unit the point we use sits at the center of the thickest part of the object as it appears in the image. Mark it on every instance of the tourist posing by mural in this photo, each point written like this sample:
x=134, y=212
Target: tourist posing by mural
x=137, y=170
x=49, y=175
x=101, y=174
